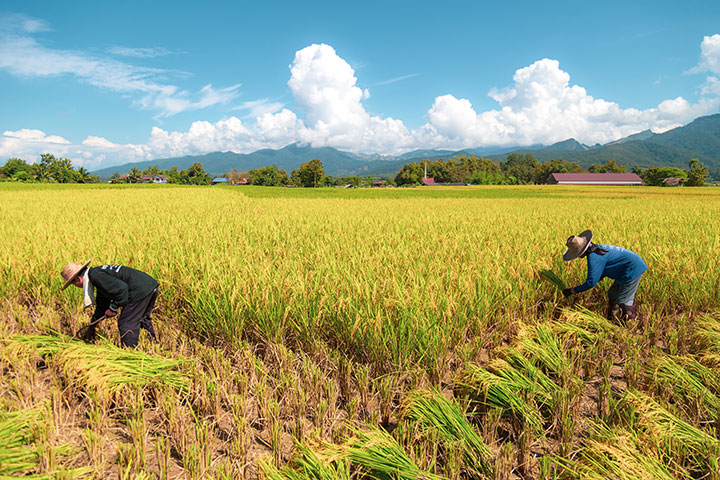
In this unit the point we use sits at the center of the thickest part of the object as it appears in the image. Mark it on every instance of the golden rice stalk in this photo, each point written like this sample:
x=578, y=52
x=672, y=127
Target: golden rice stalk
x=434, y=412
x=583, y=323
x=103, y=366
x=540, y=344
x=614, y=453
x=504, y=389
x=377, y=455
x=306, y=464
x=553, y=277
x=706, y=337
x=685, y=384
x=20, y=453
x=659, y=423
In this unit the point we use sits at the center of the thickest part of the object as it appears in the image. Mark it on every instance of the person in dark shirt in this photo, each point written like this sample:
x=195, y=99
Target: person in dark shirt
x=622, y=265
x=110, y=288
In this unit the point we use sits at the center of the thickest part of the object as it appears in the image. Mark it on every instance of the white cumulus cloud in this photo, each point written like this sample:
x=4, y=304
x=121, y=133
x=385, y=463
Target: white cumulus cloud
x=540, y=105
x=709, y=55
x=92, y=153
x=325, y=91
x=23, y=56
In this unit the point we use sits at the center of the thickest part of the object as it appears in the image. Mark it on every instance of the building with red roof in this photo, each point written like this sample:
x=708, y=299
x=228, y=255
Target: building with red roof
x=594, y=179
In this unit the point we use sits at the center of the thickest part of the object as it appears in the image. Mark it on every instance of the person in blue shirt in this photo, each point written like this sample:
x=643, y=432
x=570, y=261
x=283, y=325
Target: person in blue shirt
x=622, y=265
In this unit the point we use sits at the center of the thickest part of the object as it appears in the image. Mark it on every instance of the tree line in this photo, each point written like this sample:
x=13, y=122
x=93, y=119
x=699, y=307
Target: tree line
x=518, y=169
x=521, y=169
x=310, y=174
x=48, y=169
x=194, y=175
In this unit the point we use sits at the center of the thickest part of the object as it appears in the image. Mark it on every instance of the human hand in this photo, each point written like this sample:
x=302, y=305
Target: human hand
x=567, y=292
x=90, y=334
x=110, y=313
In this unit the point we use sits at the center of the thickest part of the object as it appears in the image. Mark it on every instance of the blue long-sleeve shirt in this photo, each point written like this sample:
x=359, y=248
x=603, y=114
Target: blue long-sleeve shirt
x=618, y=263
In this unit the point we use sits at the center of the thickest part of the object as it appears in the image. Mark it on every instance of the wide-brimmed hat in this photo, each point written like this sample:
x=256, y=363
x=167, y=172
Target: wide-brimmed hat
x=71, y=271
x=576, y=245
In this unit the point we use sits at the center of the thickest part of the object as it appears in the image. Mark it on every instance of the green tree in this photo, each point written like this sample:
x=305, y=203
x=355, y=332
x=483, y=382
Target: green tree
x=558, y=165
x=41, y=169
x=135, y=175
x=173, y=175
x=611, y=166
x=83, y=176
x=521, y=167
x=269, y=176
x=61, y=170
x=13, y=166
x=310, y=174
x=474, y=164
x=409, y=174
x=638, y=171
x=355, y=181
x=697, y=173
x=656, y=175
x=196, y=175
x=484, y=177
x=152, y=170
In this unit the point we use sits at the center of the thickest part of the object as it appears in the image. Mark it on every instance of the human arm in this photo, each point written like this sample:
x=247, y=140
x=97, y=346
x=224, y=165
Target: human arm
x=115, y=290
x=595, y=268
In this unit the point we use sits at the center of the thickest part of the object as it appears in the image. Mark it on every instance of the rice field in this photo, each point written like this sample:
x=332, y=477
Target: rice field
x=375, y=334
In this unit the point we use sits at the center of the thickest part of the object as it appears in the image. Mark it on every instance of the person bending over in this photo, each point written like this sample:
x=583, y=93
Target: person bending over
x=622, y=265
x=116, y=290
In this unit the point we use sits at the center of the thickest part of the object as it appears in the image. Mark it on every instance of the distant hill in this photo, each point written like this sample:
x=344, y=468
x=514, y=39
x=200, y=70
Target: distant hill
x=698, y=139
x=336, y=162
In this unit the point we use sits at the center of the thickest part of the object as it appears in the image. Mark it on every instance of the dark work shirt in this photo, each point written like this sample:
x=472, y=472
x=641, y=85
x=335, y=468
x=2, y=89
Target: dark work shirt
x=118, y=285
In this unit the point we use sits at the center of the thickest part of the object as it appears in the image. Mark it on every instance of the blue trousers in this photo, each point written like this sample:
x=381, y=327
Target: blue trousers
x=624, y=293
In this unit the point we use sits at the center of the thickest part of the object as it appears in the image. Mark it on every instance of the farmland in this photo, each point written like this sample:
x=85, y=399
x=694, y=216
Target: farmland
x=346, y=333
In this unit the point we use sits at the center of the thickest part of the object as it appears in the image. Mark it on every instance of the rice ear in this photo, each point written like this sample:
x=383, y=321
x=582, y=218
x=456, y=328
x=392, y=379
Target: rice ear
x=553, y=277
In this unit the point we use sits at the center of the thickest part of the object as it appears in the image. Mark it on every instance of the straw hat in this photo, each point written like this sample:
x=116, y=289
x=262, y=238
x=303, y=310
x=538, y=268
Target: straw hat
x=71, y=271
x=576, y=245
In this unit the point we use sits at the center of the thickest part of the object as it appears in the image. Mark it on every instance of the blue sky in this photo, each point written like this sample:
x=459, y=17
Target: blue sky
x=106, y=83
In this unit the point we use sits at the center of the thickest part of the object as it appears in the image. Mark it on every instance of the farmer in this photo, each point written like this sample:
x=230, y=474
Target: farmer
x=623, y=266
x=110, y=288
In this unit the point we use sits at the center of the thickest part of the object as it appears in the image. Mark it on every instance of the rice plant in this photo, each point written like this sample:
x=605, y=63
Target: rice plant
x=615, y=453
x=306, y=464
x=507, y=389
x=104, y=367
x=706, y=337
x=553, y=278
x=434, y=412
x=410, y=287
x=376, y=454
x=672, y=435
x=23, y=445
x=585, y=325
x=540, y=344
x=684, y=384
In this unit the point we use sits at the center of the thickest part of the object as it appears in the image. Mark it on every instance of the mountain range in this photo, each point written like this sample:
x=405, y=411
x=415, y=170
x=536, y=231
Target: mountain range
x=698, y=139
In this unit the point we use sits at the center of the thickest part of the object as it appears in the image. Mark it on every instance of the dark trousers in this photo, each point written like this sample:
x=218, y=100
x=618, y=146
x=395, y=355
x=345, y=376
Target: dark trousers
x=134, y=317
